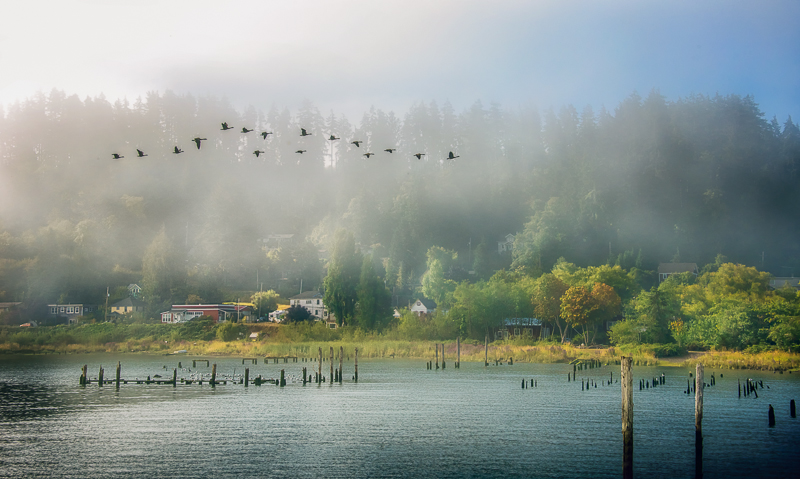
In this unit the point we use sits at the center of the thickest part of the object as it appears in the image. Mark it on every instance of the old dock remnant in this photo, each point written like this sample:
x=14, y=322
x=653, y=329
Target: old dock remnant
x=626, y=380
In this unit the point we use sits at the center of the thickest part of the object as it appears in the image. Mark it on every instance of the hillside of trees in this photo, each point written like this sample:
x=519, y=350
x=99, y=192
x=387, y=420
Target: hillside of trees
x=651, y=181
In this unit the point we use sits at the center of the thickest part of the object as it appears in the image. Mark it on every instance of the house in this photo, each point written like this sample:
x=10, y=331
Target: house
x=277, y=316
x=134, y=290
x=275, y=241
x=505, y=245
x=69, y=311
x=128, y=305
x=520, y=327
x=313, y=302
x=423, y=306
x=781, y=282
x=6, y=307
x=180, y=313
x=665, y=270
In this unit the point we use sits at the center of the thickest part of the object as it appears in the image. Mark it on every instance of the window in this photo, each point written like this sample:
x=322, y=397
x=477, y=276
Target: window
x=317, y=302
x=53, y=310
x=63, y=309
x=516, y=331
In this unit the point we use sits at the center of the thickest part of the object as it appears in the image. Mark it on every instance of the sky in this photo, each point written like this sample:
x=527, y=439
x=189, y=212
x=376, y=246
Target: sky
x=348, y=55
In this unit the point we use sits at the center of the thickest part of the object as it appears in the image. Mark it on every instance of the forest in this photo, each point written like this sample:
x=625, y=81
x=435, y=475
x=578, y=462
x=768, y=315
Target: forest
x=596, y=201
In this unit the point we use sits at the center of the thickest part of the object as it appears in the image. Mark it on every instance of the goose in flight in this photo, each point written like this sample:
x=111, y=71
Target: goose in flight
x=139, y=153
x=368, y=155
x=117, y=156
x=225, y=126
x=451, y=156
x=357, y=143
x=245, y=130
x=303, y=132
x=197, y=141
x=333, y=137
x=177, y=151
x=390, y=150
x=257, y=152
x=265, y=133
x=300, y=151
x=419, y=155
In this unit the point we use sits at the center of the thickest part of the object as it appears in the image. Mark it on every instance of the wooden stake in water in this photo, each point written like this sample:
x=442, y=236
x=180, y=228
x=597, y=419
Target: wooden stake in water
x=626, y=380
x=331, y=377
x=100, y=377
x=119, y=369
x=698, y=421
x=174, y=377
x=436, y=345
x=283, y=378
x=246, y=377
x=214, y=375
x=443, y=356
x=319, y=366
x=771, y=416
x=486, y=352
x=356, y=364
x=341, y=358
x=458, y=352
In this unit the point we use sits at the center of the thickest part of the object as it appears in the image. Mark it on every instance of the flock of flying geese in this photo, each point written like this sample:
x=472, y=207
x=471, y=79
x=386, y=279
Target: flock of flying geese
x=225, y=127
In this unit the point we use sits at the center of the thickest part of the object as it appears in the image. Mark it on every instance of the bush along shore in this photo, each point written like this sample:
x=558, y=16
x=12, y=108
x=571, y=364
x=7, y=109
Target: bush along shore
x=305, y=340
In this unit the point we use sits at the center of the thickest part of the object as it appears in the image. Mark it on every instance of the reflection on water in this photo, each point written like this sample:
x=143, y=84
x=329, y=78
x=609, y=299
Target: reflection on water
x=399, y=420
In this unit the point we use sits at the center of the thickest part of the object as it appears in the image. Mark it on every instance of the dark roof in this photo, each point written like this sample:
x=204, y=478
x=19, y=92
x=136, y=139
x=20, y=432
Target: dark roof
x=129, y=302
x=428, y=303
x=308, y=295
x=672, y=268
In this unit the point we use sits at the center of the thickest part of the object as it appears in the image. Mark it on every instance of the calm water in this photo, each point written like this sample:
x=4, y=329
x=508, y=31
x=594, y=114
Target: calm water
x=399, y=420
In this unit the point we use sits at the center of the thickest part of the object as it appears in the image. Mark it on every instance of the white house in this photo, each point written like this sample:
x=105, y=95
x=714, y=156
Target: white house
x=423, y=306
x=665, y=270
x=313, y=302
x=506, y=244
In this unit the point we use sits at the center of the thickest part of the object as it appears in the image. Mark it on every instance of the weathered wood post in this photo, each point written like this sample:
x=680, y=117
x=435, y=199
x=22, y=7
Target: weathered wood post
x=486, y=352
x=458, y=352
x=100, y=377
x=119, y=369
x=331, y=376
x=443, y=364
x=436, y=346
x=626, y=380
x=792, y=411
x=319, y=366
x=214, y=374
x=356, y=358
x=698, y=420
x=174, y=377
x=246, y=377
x=771, y=416
x=283, y=378
x=194, y=363
x=84, y=375
x=341, y=358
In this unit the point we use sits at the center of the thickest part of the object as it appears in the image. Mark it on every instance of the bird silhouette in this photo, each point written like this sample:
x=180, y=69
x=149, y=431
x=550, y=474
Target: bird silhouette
x=368, y=155
x=140, y=153
x=197, y=141
x=117, y=156
x=357, y=143
x=225, y=126
x=334, y=138
x=390, y=150
x=177, y=150
x=245, y=130
x=257, y=152
x=419, y=155
x=265, y=133
x=300, y=151
x=451, y=157
x=303, y=132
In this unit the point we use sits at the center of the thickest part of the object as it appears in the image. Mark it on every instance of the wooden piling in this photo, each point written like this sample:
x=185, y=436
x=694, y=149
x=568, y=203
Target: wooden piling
x=356, y=365
x=771, y=416
x=341, y=358
x=486, y=352
x=792, y=411
x=84, y=375
x=458, y=352
x=100, y=377
x=626, y=380
x=443, y=364
x=174, y=377
x=214, y=374
x=283, y=379
x=331, y=376
x=698, y=420
x=247, y=377
x=319, y=365
x=436, y=346
x=119, y=369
